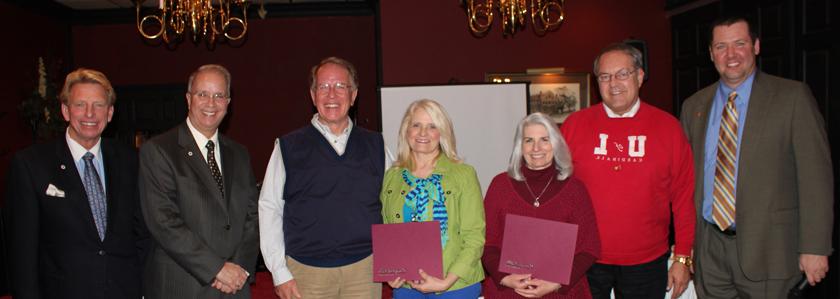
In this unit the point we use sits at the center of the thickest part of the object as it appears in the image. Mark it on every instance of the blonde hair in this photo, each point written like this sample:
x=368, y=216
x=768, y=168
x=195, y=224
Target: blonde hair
x=83, y=75
x=440, y=119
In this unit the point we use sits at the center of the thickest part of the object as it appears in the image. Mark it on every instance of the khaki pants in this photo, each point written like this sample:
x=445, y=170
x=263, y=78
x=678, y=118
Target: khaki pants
x=350, y=281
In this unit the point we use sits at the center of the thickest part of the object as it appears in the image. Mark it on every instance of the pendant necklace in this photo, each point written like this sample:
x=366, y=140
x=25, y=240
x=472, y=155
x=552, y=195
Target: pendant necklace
x=537, y=198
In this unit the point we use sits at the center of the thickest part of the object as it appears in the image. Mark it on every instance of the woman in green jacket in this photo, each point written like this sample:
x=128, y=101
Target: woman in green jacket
x=428, y=182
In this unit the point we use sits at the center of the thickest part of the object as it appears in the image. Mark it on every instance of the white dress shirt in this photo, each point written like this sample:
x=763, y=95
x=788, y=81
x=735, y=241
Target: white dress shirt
x=271, y=203
x=629, y=114
x=201, y=141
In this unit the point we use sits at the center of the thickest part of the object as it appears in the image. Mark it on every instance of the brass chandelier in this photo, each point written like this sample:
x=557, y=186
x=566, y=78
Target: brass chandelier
x=203, y=18
x=545, y=15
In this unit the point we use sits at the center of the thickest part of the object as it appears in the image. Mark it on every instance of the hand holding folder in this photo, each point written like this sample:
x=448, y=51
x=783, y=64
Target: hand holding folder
x=402, y=249
x=543, y=248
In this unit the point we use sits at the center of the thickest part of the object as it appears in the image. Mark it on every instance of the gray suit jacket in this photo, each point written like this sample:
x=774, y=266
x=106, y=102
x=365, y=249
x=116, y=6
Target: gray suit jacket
x=196, y=230
x=784, y=197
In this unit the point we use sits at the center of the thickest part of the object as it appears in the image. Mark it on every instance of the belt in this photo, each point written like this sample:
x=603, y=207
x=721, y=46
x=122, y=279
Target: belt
x=728, y=232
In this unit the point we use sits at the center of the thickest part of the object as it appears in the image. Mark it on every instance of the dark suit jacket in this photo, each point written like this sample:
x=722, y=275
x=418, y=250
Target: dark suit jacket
x=196, y=230
x=784, y=198
x=54, y=247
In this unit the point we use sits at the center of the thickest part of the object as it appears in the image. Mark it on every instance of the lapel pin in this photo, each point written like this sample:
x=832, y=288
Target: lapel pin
x=189, y=153
x=62, y=167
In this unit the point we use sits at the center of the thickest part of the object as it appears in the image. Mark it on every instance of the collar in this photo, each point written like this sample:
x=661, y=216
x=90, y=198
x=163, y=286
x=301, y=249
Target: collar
x=629, y=114
x=744, y=89
x=200, y=139
x=550, y=171
x=325, y=130
x=77, y=150
x=443, y=164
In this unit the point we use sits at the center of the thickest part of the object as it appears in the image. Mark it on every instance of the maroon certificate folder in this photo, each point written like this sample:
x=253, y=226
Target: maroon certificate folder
x=540, y=247
x=401, y=249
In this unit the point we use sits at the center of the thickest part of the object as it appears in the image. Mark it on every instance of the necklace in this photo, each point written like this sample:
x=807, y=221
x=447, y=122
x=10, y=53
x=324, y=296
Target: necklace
x=537, y=197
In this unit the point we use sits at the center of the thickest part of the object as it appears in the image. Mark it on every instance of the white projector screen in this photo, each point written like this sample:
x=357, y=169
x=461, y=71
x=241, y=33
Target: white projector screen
x=484, y=115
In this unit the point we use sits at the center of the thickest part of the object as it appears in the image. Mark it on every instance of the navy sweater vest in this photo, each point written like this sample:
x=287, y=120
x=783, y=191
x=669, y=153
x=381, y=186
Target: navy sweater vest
x=331, y=200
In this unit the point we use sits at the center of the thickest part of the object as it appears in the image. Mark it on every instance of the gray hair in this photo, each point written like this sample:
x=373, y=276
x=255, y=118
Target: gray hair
x=351, y=70
x=631, y=51
x=210, y=68
x=562, y=157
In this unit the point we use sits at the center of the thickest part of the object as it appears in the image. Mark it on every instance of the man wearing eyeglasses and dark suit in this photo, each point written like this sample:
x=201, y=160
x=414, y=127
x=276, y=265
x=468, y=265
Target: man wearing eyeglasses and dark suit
x=199, y=198
x=320, y=196
x=636, y=163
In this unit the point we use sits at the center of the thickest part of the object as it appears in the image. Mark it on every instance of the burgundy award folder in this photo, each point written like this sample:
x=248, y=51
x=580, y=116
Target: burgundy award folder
x=401, y=249
x=540, y=247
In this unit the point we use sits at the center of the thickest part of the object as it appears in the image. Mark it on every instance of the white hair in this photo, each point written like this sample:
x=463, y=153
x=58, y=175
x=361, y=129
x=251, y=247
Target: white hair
x=562, y=157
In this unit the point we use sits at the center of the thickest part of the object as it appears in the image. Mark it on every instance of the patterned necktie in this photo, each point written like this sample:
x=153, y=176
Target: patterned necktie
x=96, y=195
x=214, y=167
x=723, y=210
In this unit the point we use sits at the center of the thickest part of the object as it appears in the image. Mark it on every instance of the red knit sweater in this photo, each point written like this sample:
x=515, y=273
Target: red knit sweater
x=565, y=201
x=638, y=171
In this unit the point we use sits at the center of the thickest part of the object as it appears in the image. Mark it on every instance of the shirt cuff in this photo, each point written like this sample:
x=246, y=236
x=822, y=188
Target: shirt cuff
x=281, y=276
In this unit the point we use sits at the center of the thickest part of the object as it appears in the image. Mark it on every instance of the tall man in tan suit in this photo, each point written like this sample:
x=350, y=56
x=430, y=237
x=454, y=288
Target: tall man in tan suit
x=764, y=183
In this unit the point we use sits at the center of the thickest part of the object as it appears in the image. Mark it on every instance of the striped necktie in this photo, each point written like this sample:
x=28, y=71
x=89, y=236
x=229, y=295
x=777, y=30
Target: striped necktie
x=723, y=210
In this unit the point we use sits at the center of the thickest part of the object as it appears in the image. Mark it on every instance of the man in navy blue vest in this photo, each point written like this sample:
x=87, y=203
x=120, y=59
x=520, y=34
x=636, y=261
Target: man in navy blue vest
x=320, y=196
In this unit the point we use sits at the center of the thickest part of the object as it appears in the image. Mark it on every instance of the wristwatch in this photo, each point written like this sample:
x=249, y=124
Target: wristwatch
x=685, y=260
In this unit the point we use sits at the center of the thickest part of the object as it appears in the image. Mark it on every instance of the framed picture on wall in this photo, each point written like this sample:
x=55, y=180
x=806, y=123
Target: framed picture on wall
x=555, y=94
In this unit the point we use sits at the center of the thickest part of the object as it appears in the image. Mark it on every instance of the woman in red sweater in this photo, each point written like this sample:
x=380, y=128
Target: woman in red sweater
x=539, y=184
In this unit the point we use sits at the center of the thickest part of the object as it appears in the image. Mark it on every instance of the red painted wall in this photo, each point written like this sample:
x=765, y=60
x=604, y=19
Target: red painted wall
x=420, y=44
x=431, y=43
x=270, y=70
x=27, y=35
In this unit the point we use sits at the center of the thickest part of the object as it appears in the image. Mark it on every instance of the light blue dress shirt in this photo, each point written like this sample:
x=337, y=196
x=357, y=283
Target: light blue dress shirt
x=97, y=163
x=713, y=134
x=78, y=152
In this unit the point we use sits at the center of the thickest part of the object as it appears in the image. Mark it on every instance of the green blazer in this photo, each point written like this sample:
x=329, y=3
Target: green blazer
x=465, y=207
x=784, y=199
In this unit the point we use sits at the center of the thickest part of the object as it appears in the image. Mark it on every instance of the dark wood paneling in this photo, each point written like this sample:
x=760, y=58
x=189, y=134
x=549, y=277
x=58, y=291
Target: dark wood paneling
x=685, y=42
x=816, y=73
x=145, y=111
x=690, y=39
x=817, y=16
x=775, y=31
x=685, y=82
x=708, y=75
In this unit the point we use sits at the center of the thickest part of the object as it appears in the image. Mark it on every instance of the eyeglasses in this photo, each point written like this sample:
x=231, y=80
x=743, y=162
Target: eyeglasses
x=620, y=75
x=203, y=95
x=338, y=88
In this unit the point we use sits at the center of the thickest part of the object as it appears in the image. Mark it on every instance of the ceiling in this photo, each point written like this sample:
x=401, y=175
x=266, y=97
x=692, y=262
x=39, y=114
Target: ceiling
x=117, y=4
